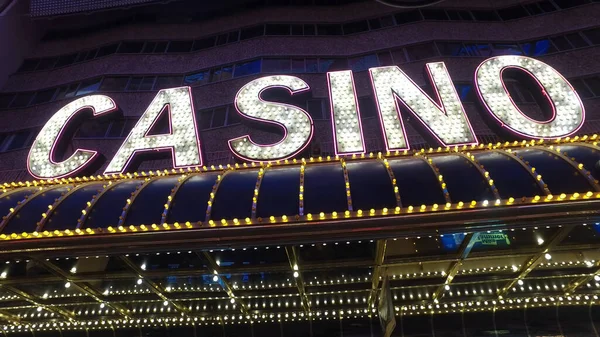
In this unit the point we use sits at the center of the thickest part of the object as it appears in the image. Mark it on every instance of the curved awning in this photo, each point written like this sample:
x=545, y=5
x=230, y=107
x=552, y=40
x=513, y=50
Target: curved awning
x=483, y=179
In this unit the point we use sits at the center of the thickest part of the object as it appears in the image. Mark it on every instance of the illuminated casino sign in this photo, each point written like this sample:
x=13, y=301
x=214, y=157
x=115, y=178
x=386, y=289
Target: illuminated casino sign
x=443, y=116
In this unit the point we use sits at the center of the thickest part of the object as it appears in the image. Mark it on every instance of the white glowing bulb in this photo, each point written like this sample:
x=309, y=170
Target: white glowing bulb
x=540, y=241
x=296, y=274
x=139, y=281
x=548, y=256
x=296, y=123
x=215, y=278
x=567, y=108
x=68, y=285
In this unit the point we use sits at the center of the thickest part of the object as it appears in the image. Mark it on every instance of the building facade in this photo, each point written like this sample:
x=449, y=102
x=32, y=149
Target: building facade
x=490, y=239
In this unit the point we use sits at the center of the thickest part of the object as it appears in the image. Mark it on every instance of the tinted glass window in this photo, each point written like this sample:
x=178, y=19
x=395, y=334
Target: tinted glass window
x=197, y=78
x=363, y=62
x=537, y=48
x=577, y=40
x=593, y=35
x=581, y=89
x=46, y=63
x=5, y=100
x=561, y=43
x=247, y=68
x=483, y=15
x=204, y=119
x=65, y=60
x=251, y=32
x=88, y=87
x=180, y=46
x=29, y=65
x=434, y=14
x=421, y=51
x=165, y=82
x=147, y=83
x=22, y=99
x=114, y=83
x=278, y=29
x=107, y=50
x=276, y=65
x=512, y=13
x=44, y=96
x=204, y=43
x=406, y=17
x=329, y=29
x=130, y=47
x=356, y=27
x=314, y=107
x=20, y=140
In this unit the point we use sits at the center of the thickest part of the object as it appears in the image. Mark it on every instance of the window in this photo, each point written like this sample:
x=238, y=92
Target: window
x=563, y=4
x=107, y=50
x=130, y=47
x=276, y=65
x=582, y=90
x=165, y=82
x=161, y=47
x=593, y=35
x=93, y=128
x=247, y=68
x=506, y=49
x=577, y=40
x=561, y=43
x=312, y=65
x=180, y=46
x=385, y=58
x=197, y=78
x=149, y=47
x=367, y=107
x=277, y=29
x=19, y=140
x=22, y=99
x=329, y=29
x=5, y=100
x=221, y=74
x=465, y=92
x=90, y=54
x=538, y=48
x=221, y=39
x=204, y=119
x=434, y=14
x=43, y=96
x=594, y=84
x=314, y=107
x=29, y=65
x=406, y=17
x=204, y=43
x=219, y=117
x=88, y=87
x=399, y=56
x=511, y=13
x=374, y=24
x=478, y=49
x=65, y=60
x=134, y=83
x=147, y=83
x=298, y=65
x=356, y=27
x=421, y=51
x=67, y=91
x=114, y=84
x=452, y=49
x=248, y=33
x=310, y=30
x=387, y=21
x=46, y=63
x=483, y=15
x=363, y=63
x=233, y=36
x=459, y=15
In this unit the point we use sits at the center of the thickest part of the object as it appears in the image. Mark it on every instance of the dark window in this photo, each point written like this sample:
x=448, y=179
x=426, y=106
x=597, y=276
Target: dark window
x=466, y=92
x=312, y=66
x=116, y=128
x=398, y=56
x=547, y=6
x=233, y=117
x=460, y=15
x=278, y=29
x=247, y=68
x=434, y=14
x=134, y=84
x=204, y=43
x=387, y=21
x=130, y=47
x=326, y=65
x=581, y=89
x=67, y=91
x=88, y=87
x=363, y=63
x=65, y=60
x=22, y=99
x=5, y=100
x=180, y=46
x=46, y=63
x=43, y=96
x=593, y=35
x=538, y=48
x=314, y=107
x=197, y=78
x=93, y=128
x=421, y=51
x=161, y=47
x=19, y=140
x=406, y=17
x=149, y=47
x=452, y=49
x=298, y=65
x=561, y=43
x=204, y=119
x=91, y=54
x=367, y=107
x=276, y=65
x=483, y=15
x=129, y=123
x=563, y=4
x=219, y=116
x=385, y=58
x=594, y=84
x=248, y=33
x=233, y=36
x=511, y=13
x=147, y=83
x=81, y=56
x=577, y=40
x=226, y=72
x=356, y=27
x=165, y=82
x=506, y=49
x=374, y=24
x=533, y=9
x=107, y=50
x=114, y=84
x=221, y=39
x=329, y=29
x=29, y=65
x=310, y=30
x=297, y=29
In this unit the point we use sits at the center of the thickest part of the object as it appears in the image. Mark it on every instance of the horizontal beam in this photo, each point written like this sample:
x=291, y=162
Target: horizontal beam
x=413, y=224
